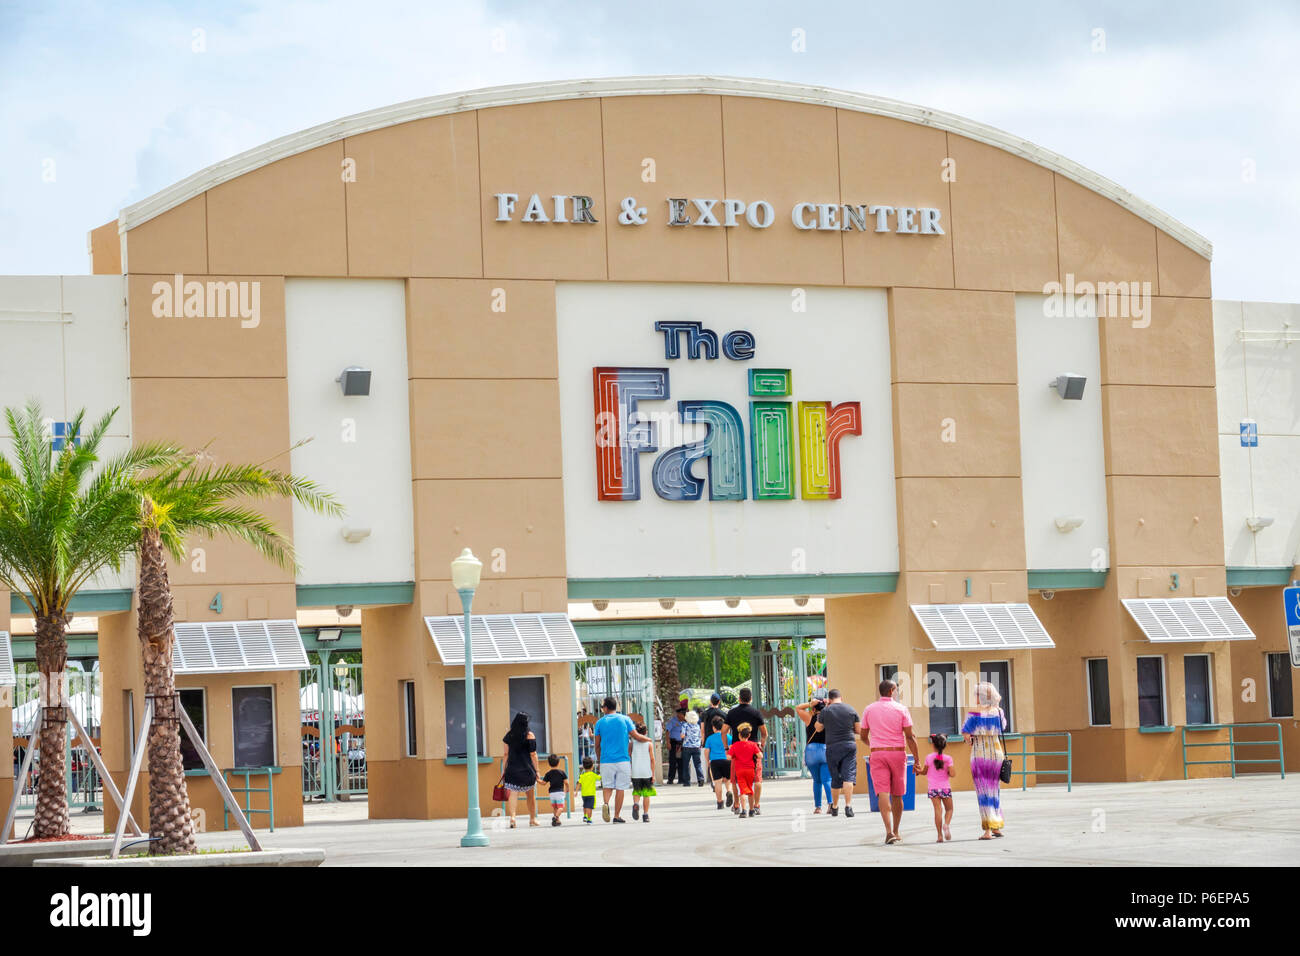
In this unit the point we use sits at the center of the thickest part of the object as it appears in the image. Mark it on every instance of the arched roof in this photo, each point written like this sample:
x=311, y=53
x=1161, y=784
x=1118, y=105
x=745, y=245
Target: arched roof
x=354, y=125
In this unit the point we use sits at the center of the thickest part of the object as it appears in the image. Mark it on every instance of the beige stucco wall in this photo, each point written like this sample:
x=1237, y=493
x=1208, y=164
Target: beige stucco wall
x=485, y=426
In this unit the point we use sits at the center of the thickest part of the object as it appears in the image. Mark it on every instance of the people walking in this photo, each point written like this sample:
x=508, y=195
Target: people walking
x=520, y=774
x=643, y=775
x=557, y=785
x=814, y=752
x=612, y=732
x=886, y=724
x=719, y=765
x=838, y=722
x=745, y=756
x=676, y=724
x=746, y=713
x=983, y=731
x=691, y=749
x=937, y=769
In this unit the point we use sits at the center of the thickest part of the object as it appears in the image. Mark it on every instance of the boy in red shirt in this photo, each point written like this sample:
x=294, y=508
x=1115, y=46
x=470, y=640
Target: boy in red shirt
x=744, y=754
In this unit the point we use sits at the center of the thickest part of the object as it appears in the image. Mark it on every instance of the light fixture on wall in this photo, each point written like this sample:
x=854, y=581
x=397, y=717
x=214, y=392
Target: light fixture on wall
x=355, y=380
x=355, y=535
x=600, y=604
x=327, y=635
x=801, y=600
x=667, y=603
x=732, y=602
x=1047, y=595
x=1069, y=386
x=1257, y=523
x=343, y=610
x=1235, y=592
x=1067, y=523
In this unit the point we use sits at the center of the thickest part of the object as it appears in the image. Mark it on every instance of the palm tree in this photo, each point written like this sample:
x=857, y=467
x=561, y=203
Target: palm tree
x=60, y=526
x=183, y=498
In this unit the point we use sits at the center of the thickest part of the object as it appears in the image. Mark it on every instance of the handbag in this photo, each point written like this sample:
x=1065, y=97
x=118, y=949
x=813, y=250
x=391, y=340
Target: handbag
x=1004, y=772
x=499, y=791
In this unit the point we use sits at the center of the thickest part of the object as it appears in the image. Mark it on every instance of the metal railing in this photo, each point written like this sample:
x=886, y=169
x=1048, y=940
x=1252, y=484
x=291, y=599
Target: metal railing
x=1024, y=771
x=1232, y=743
x=248, y=790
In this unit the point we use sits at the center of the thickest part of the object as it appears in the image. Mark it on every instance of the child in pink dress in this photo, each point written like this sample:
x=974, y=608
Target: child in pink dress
x=938, y=771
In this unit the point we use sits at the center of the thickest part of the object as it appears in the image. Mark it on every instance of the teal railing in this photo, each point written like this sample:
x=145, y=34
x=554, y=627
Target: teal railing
x=544, y=802
x=1025, y=773
x=248, y=790
x=1232, y=743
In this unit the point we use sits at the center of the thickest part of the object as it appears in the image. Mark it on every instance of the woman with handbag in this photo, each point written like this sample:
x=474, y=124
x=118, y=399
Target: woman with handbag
x=983, y=731
x=520, y=774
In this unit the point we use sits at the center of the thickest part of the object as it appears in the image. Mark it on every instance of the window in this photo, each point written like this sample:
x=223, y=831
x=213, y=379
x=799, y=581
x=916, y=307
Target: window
x=408, y=707
x=528, y=694
x=889, y=672
x=1151, y=691
x=1280, y=701
x=453, y=696
x=941, y=698
x=998, y=673
x=1196, y=682
x=254, y=726
x=1098, y=692
x=195, y=702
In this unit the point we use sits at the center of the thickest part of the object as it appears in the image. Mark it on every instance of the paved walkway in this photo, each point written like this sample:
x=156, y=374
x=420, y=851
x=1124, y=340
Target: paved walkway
x=1220, y=822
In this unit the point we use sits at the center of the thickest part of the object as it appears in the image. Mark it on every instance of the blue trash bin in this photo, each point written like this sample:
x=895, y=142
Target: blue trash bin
x=909, y=798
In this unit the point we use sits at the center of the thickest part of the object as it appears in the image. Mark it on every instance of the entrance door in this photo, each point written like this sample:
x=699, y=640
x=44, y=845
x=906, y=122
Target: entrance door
x=333, y=712
x=777, y=681
x=626, y=678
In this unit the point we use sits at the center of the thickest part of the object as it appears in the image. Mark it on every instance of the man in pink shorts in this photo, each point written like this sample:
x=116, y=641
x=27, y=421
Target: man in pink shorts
x=885, y=726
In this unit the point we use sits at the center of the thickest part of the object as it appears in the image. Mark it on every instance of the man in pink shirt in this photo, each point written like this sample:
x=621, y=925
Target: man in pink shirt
x=885, y=726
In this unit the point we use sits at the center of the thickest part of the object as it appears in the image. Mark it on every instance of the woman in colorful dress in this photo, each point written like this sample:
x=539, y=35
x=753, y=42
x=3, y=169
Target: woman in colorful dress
x=983, y=731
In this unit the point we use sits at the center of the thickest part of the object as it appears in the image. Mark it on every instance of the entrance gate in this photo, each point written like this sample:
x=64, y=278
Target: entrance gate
x=777, y=678
x=625, y=677
x=333, y=705
x=85, y=698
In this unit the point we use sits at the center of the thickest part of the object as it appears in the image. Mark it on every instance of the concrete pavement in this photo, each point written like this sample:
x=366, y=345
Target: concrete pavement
x=1222, y=822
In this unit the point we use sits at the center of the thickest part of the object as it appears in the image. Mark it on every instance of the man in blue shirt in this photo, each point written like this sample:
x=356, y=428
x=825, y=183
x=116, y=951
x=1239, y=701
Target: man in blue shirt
x=675, y=726
x=613, y=758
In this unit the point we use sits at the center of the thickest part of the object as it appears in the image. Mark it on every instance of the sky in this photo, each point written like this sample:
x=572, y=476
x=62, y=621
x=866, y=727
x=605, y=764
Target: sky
x=1190, y=105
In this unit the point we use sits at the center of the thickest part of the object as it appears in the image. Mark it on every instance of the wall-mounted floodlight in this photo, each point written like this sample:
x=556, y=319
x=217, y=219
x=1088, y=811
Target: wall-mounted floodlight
x=1068, y=523
x=355, y=380
x=327, y=634
x=355, y=535
x=1069, y=386
x=1257, y=523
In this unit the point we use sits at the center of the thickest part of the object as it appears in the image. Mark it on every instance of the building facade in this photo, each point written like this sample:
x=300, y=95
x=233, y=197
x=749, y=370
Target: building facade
x=710, y=340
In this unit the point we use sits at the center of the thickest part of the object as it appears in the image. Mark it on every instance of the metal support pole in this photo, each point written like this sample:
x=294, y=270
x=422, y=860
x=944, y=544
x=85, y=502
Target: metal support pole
x=717, y=666
x=110, y=788
x=325, y=682
x=800, y=695
x=137, y=759
x=217, y=777
x=474, y=835
x=21, y=778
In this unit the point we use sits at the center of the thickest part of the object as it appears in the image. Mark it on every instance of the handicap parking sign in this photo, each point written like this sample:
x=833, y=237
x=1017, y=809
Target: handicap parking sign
x=1249, y=434
x=1291, y=601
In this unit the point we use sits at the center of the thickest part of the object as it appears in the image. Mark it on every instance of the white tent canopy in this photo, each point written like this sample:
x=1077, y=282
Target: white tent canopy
x=349, y=705
x=88, y=707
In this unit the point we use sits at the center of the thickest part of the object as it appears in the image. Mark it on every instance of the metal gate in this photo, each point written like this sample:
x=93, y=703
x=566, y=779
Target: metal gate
x=625, y=677
x=777, y=678
x=332, y=702
x=85, y=698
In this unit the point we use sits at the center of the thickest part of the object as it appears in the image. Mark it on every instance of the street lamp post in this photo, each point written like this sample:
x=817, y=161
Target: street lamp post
x=465, y=571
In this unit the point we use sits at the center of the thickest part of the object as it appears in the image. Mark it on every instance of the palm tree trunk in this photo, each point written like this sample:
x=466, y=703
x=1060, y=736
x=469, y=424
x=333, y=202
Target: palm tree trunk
x=170, y=825
x=663, y=655
x=52, y=664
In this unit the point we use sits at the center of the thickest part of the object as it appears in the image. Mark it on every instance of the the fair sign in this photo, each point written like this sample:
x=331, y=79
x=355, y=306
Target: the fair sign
x=719, y=430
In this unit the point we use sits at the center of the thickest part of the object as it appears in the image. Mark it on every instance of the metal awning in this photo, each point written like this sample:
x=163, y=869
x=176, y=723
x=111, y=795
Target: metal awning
x=1164, y=620
x=7, y=676
x=979, y=627
x=238, y=647
x=507, y=638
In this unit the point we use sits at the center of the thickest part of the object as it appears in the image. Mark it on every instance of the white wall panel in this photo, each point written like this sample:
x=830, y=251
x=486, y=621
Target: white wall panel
x=838, y=351
x=1062, y=455
x=331, y=324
